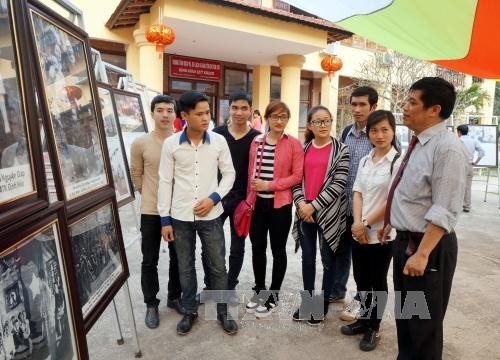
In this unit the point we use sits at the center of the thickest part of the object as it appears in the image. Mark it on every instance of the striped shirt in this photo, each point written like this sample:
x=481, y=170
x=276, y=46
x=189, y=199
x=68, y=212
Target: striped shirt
x=359, y=146
x=267, y=170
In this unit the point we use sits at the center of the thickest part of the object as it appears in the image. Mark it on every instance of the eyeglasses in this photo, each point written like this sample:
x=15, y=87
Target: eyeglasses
x=318, y=123
x=274, y=117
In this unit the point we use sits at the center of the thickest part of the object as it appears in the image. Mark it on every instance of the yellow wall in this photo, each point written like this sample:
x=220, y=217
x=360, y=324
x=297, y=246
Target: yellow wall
x=233, y=19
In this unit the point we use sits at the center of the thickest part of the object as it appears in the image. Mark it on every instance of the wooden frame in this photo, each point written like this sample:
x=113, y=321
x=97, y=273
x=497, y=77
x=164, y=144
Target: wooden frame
x=124, y=189
x=130, y=113
x=38, y=282
x=96, y=232
x=18, y=169
x=66, y=81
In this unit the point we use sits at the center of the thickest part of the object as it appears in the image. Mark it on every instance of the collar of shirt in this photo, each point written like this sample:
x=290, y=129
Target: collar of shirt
x=389, y=156
x=355, y=133
x=185, y=138
x=428, y=133
x=259, y=138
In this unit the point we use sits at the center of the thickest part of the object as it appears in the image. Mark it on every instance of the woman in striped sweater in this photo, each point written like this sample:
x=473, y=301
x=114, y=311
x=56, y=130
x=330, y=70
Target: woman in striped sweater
x=321, y=209
x=282, y=164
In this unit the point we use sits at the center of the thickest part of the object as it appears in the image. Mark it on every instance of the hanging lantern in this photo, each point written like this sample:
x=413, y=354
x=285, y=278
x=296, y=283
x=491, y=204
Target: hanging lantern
x=161, y=35
x=330, y=64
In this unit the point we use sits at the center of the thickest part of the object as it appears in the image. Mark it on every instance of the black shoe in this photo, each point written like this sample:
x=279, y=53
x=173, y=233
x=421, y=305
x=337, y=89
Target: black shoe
x=296, y=316
x=357, y=327
x=229, y=326
x=314, y=322
x=184, y=326
x=466, y=210
x=370, y=340
x=176, y=305
x=152, y=317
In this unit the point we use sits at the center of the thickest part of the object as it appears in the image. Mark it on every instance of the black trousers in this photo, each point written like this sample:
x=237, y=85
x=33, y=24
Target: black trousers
x=370, y=264
x=277, y=222
x=150, y=247
x=423, y=338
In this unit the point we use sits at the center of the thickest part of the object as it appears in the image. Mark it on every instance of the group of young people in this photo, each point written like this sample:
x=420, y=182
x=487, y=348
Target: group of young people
x=348, y=194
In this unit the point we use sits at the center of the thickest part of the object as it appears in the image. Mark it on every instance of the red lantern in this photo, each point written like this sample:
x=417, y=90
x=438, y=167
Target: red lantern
x=330, y=64
x=161, y=35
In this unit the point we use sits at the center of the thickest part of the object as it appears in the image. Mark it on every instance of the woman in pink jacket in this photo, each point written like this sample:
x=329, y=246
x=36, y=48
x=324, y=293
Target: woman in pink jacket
x=282, y=160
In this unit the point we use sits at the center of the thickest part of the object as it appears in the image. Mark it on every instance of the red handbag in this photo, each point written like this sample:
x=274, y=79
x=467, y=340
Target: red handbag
x=242, y=216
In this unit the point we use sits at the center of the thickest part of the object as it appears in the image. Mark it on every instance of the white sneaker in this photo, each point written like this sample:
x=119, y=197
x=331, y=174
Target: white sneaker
x=254, y=303
x=351, y=311
x=265, y=310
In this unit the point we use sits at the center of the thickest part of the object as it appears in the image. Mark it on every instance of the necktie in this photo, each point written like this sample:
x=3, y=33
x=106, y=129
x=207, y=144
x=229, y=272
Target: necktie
x=399, y=174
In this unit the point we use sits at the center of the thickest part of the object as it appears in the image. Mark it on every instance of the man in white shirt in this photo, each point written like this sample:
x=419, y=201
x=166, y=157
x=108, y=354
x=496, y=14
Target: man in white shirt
x=189, y=197
x=472, y=146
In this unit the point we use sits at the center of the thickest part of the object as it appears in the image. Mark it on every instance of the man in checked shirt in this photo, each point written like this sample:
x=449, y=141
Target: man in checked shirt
x=424, y=210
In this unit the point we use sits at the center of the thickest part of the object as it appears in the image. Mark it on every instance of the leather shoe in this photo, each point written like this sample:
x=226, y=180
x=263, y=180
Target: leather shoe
x=229, y=326
x=176, y=305
x=357, y=327
x=370, y=340
x=184, y=326
x=152, y=317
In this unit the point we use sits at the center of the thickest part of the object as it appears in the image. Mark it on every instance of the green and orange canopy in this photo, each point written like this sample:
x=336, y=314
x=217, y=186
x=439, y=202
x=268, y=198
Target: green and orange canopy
x=462, y=35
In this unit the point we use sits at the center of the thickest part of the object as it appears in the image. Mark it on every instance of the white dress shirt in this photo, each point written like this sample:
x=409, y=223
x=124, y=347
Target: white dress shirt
x=373, y=182
x=188, y=174
x=432, y=187
x=472, y=145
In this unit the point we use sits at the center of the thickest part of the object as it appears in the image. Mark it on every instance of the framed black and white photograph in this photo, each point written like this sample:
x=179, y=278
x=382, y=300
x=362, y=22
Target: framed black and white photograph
x=487, y=136
x=22, y=184
x=403, y=135
x=37, y=317
x=61, y=54
x=119, y=166
x=130, y=116
x=99, y=259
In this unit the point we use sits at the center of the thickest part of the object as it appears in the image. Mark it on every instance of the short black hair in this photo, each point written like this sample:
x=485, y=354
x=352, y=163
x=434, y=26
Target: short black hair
x=162, y=99
x=188, y=100
x=463, y=129
x=240, y=95
x=366, y=91
x=437, y=91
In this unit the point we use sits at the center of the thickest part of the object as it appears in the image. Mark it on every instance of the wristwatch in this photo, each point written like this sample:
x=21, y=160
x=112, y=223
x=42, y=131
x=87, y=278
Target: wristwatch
x=365, y=224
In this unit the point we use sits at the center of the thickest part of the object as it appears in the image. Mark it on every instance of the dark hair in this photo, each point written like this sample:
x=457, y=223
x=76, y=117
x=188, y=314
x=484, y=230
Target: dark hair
x=240, y=95
x=365, y=91
x=308, y=135
x=190, y=99
x=437, y=91
x=275, y=106
x=256, y=111
x=463, y=129
x=381, y=115
x=162, y=99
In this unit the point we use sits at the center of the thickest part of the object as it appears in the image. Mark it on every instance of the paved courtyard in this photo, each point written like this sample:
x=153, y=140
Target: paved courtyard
x=472, y=325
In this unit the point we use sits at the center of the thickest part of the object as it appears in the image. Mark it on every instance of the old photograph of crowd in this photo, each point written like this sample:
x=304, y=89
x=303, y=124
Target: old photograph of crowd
x=96, y=255
x=69, y=99
x=34, y=316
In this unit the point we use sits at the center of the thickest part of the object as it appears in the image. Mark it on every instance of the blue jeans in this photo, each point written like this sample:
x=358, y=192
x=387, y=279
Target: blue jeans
x=236, y=255
x=212, y=242
x=342, y=262
x=309, y=234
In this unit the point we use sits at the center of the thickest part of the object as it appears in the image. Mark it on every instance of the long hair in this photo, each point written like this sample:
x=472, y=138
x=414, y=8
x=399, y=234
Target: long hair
x=381, y=115
x=308, y=135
